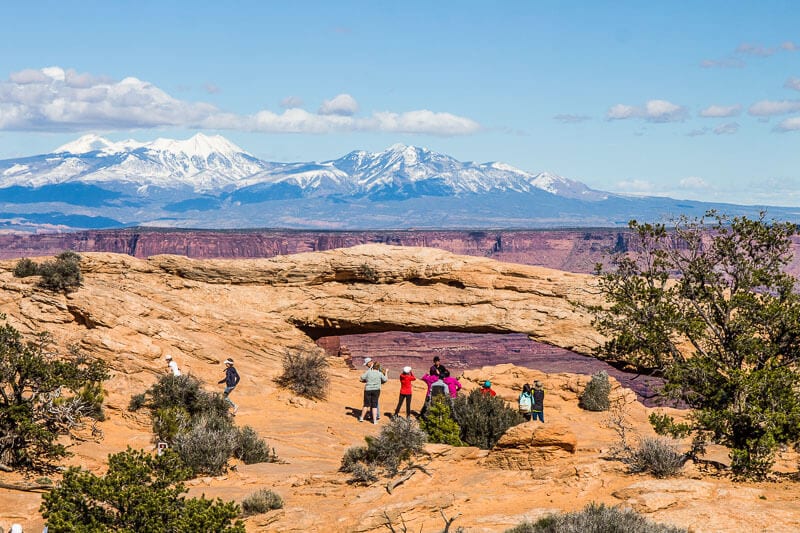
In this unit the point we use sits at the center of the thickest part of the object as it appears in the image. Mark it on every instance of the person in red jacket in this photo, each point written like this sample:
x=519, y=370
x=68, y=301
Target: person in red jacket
x=486, y=388
x=405, y=391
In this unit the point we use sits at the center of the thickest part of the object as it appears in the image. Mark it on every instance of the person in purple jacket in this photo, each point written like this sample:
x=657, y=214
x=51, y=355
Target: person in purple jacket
x=453, y=384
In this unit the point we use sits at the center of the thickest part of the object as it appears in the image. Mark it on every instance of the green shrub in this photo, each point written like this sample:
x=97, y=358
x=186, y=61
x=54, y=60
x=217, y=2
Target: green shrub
x=397, y=442
x=45, y=395
x=187, y=392
x=664, y=424
x=61, y=275
x=168, y=422
x=595, y=518
x=595, y=396
x=439, y=424
x=140, y=493
x=207, y=445
x=367, y=273
x=261, y=501
x=137, y=402
x=483, y=419
x=25, y=267
x=656, y=456
x=251, y=449
x=306, y=374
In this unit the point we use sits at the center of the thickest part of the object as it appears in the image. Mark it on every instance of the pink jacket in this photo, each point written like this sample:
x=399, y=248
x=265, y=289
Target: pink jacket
x=453, y=384
x=429, y=380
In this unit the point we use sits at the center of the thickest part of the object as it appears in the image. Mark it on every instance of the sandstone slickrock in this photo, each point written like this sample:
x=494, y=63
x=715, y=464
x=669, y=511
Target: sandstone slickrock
x=132, y=312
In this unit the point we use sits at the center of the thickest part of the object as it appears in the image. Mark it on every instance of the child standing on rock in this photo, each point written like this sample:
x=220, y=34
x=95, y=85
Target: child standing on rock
x=405, y=391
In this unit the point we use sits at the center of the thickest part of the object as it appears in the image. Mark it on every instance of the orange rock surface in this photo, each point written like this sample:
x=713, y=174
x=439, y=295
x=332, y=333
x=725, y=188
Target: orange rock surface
x=132, y=312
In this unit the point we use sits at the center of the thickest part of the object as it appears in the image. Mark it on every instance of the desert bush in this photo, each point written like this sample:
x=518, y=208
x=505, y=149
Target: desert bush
x=140, y=492
x=43, y=396
x=439, y=423
x=251, y=449
x=595, y=518
x=656, y=456
x=664, y=424
x=397, y=443
x=61, y=275
x=137, y=402
x=483, y=419
x=261, y=501
x=25, y=267
x=207, y=445
x=367, y=273
x=168, y=422
x=595, y=397
x=187, y=392
x=306, y=374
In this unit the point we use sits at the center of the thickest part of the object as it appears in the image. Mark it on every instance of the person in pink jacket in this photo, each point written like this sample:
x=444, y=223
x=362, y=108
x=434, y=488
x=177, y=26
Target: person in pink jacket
x=453, y=385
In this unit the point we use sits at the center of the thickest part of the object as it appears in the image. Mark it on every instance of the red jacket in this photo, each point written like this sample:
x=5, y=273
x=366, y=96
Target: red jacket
x=405, y=383
x=488, y=391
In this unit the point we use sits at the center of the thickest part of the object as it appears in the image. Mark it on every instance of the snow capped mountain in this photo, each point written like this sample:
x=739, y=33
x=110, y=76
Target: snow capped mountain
x=210, y=171
x=201, y=163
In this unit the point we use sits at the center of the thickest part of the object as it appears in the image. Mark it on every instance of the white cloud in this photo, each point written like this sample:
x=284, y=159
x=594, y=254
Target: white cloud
x=341, y=104
x=755, y=50
x=291, y=102
x=571, y=119
x=635, y=186
x=769, y=108
x=790, y=46
x=792, y=83
x=652, y=111
x=694, y=183
x=728, y=62
x=727, y=129
x=697, y=132
x=789, y=124
x=54, y=99
x=211, y=88
x=718, y=111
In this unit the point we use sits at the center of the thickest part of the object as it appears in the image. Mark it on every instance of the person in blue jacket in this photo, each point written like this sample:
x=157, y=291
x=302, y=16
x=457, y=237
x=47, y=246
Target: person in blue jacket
x=230, y=380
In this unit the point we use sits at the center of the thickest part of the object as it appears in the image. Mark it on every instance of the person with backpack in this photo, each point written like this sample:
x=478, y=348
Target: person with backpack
x=526, y=402
x=537, y=408
x=230, y=380
x=372, y=379
x=405, y=391
x=429, y=381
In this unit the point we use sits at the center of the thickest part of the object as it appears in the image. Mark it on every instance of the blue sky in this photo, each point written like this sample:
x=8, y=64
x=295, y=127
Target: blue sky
x=696, y=100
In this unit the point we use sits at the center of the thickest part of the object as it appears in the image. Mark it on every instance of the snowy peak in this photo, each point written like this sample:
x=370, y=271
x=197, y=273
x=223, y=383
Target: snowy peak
x=94, y=143
x=200, y=145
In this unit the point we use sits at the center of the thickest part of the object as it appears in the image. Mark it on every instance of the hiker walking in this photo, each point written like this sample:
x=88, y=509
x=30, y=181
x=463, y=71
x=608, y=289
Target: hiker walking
x=173, y=366
x=230, y=380
x=405, y=391
x=526, y=402
x=372, y=379
x=537, y=409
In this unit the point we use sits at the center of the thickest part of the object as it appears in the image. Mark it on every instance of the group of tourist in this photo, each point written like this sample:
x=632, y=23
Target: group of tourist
x=440, y=383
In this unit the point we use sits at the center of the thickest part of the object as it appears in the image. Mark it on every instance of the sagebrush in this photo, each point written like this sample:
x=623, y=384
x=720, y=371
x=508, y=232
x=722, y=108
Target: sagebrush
x=261, y=501
x=483, y=419
x=306, y=374
x=396, y=444
x=595, y=518
x=596, y=395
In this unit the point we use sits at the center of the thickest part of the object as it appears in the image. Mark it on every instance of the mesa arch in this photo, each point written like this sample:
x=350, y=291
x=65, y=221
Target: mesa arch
x=132, y=311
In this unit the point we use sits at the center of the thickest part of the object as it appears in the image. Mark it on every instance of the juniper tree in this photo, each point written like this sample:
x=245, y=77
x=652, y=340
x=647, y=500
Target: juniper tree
x=709, y=306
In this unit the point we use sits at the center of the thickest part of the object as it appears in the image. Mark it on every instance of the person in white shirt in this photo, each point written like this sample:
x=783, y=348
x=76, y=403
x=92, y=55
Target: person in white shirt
x=173, y=366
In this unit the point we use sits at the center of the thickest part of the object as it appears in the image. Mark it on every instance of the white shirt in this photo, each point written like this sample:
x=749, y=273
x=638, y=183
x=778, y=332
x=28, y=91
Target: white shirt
x=174, y=367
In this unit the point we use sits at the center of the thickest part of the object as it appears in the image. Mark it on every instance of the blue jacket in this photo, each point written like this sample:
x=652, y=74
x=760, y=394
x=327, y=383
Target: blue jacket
x=231, y=377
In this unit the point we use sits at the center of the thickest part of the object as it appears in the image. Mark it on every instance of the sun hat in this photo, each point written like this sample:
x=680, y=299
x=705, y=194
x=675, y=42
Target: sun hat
x=228, y=361
x=168, y=357
x=487, y=384
x=537, y=384
x=367, y=360
x=406, y=370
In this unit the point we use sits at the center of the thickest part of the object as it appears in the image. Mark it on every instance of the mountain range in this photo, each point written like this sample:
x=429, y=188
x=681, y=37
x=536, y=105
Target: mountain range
x=209, y=182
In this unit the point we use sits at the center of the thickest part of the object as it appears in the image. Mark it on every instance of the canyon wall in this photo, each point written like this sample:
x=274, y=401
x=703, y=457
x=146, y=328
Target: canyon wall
x=573, y=250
